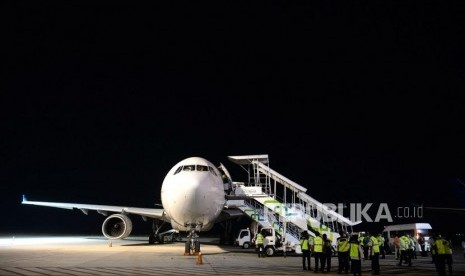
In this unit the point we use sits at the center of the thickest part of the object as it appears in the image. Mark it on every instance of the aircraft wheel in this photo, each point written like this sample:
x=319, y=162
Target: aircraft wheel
x=187, y=247
x=197, y=246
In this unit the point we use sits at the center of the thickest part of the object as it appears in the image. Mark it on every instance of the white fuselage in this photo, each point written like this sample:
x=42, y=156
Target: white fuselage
x=193, y=195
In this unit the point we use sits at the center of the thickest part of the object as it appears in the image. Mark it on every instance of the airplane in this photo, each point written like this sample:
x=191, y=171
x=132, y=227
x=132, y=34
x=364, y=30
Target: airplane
x=193, y=198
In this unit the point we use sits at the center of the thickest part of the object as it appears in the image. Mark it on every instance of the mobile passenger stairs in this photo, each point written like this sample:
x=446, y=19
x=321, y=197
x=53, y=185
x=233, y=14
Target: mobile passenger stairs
x=274, y=201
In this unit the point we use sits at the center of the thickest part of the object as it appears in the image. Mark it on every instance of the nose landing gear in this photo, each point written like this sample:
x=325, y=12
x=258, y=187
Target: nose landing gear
x=192, y=246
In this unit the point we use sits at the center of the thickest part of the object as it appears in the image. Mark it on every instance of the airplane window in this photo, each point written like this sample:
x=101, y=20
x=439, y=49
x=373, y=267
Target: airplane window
x=189, y=168
x=178, y=170
x=201, y=168
x=212, y=171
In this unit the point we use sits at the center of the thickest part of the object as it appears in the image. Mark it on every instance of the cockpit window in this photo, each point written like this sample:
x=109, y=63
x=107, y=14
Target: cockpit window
x=201, y=168
x=212, y=171
x=189, y=168
x=178, y=170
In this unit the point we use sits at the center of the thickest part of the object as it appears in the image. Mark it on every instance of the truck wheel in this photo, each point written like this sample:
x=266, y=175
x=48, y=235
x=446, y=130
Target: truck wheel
x=269, y=251
x=246, y=245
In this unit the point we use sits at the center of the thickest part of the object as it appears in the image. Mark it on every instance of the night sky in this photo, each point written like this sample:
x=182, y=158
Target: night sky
x=358, y=102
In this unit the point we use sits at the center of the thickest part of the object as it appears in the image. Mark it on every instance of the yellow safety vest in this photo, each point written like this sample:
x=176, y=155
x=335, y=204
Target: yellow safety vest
x=310, y=240
x=259, y=239
x=441, y=249
x=411, y=243
x=448, y=246
x=380, y=241
x=304, y=244
x=318, y=244
x=354, y=251
x=403, y=242
x=375, y=244
x=343, y=245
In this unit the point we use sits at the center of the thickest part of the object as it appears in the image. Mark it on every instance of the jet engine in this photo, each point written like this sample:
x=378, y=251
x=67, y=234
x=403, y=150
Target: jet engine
x=117, y=227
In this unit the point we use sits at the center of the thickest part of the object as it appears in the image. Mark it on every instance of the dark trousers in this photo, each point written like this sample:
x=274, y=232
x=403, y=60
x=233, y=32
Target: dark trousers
x=306, y=259
x=318, y=259
x=261, y=251
x=382, y=252
x=343, y=259
x=439, y=262
x=423, y=252
x=365, y=252
x=325, y=262
x=404, y=257
x=375, y=263
x=356, y=267
x=448, y=262
x=411, y=255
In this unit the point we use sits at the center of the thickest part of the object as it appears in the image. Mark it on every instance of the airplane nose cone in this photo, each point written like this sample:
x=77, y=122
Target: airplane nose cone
x=188, y=199
x=193, y=198
x=195, y=195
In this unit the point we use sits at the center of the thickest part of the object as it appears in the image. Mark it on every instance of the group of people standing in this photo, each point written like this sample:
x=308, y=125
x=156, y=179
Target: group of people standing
x=320, y=247
x=350, y=252
x=441, y=251
x=405, y=247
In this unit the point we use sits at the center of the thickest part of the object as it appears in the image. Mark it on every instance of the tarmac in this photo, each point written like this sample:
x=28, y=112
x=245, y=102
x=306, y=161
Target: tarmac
x=36, y=256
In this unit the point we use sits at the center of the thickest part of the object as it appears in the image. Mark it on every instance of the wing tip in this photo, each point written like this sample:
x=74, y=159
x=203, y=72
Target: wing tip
x=24, y=199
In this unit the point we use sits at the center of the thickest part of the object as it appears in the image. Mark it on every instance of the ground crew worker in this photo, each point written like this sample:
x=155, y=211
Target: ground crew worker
x=317, y=250
x=327, y=254
x=343, y=253
x=259, y=244
x=366, y=247
x=361, y=238
x=432, y=246
x=421, y=242
x=448, y=255
x=381, y=241
x=412, y=247
x=374, y=249
x=356, y=255
x=396, y=243
x=305, y=245
x=403, y=246
x=440, y=251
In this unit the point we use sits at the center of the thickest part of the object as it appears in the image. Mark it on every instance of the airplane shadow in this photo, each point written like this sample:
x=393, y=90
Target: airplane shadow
x=144, y=242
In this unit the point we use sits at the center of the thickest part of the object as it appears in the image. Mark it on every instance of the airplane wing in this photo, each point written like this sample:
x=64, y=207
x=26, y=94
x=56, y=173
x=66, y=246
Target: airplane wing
x=101, y=209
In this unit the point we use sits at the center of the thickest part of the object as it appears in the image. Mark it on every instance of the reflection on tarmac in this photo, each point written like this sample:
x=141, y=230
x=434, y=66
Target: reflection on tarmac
x=94, y=256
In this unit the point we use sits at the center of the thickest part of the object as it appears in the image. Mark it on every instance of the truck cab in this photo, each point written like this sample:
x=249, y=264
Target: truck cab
x=244, y=238
x=274, y=243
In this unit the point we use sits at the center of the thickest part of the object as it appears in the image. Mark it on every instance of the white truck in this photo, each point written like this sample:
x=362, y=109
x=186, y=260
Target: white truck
x=272, y=243
x=244, y=238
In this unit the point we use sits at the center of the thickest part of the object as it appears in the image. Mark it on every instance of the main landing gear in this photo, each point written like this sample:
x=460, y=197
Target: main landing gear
x=155, y=236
